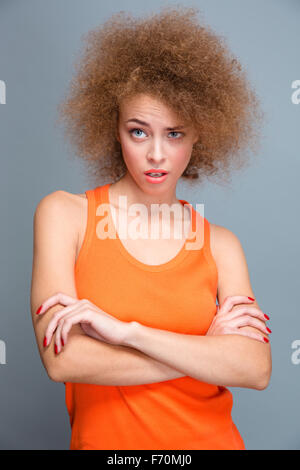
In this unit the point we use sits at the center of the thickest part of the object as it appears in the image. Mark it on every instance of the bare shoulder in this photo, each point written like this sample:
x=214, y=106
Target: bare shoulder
x=222, y=241
x=62, y=206
x=232, y=266
x=62, y=201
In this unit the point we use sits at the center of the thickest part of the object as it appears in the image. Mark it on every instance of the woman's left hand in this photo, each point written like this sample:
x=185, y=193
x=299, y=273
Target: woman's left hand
x=94, y=321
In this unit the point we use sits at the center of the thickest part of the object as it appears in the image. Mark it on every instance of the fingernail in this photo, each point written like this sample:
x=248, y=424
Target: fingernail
x=250, y=298
x=62, y=342
x=45, y=341
x=55, y=348
x=268, y=318
x=39, y=309
x=266, y=339
x=270, y=331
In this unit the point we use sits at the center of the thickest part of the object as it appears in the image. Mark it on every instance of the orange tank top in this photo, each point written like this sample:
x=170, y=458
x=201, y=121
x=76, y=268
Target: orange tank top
x=179, y=296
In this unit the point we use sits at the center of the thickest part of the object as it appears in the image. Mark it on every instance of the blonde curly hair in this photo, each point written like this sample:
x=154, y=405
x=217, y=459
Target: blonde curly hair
x=172, y=57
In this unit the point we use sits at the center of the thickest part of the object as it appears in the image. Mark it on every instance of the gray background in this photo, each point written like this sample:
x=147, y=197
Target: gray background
x=39, y=40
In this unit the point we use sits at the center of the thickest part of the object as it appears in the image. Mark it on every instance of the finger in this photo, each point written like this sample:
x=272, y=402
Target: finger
x=79, y=305
x=82, y=306
x=245, y=309
x=52, y=325
x=59, y=341
x=250, y=334
x=247, y=320
x=232, y=300
x=86, y=314
x=66, y=324
x=58, y=298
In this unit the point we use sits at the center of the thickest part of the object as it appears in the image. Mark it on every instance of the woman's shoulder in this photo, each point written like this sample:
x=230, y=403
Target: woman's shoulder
x=62, y=200
x=222, y=240
x=65, y=206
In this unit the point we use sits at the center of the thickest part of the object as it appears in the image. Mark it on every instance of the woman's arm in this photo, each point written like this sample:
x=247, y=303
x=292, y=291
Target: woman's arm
x=84, y=358
x=227, y=360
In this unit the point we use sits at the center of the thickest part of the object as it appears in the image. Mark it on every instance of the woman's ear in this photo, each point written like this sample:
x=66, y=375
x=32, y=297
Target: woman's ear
x=196, y=138
x=196, y=135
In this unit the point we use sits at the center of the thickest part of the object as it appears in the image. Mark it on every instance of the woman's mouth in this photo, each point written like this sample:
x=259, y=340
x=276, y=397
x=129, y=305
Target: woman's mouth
x=156, y=177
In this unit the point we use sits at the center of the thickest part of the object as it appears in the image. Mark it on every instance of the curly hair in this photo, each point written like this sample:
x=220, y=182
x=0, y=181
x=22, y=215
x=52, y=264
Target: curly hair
x=169, y=56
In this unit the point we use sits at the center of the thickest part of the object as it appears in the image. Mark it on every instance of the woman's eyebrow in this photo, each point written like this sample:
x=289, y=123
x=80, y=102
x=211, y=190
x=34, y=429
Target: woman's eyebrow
x=138, y=121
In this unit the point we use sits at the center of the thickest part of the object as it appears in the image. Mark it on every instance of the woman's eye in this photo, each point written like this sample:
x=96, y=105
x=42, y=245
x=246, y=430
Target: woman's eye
x=174, y=132
x=133, y=130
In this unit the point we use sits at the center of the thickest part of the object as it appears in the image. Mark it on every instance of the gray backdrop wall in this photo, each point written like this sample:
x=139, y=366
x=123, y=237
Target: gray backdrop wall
x=39, y=40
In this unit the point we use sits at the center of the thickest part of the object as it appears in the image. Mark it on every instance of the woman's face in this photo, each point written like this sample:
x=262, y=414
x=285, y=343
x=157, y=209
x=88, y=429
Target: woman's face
x=152, y=137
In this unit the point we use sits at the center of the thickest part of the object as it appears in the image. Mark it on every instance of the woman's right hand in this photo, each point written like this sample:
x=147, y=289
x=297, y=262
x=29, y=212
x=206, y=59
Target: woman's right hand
x=229, y=321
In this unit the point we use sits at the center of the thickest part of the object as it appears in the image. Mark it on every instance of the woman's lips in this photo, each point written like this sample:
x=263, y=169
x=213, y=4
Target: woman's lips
x=156, y=179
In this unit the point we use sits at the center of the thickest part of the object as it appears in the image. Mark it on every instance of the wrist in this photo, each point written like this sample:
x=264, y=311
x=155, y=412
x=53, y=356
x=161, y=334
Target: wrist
x=131, y=333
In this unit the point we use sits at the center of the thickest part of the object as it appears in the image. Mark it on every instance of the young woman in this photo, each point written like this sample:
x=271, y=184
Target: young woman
x=130, y=324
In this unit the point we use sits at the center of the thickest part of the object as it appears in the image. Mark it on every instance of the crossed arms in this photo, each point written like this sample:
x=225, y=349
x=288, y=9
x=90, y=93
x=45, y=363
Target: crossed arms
x=151, y=355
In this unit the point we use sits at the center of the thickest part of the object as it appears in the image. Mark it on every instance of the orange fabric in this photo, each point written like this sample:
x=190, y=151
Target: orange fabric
x=179, y=296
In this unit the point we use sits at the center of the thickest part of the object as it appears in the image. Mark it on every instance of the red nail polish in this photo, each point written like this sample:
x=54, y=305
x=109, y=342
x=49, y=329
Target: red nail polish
x=250, y=298
x=268, y=318
x=62, y=341
x=39, y=309
x=266, y=339
x=55, y=348
x=270, y=331
x=45, y=341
